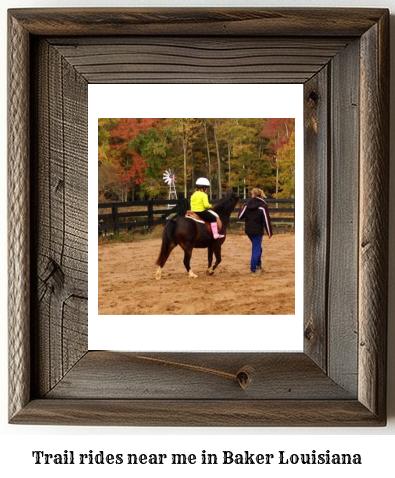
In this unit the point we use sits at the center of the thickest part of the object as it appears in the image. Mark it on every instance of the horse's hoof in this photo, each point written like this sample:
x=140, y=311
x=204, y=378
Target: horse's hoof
x=158, y=274
x=210, y=272
x=192, y=275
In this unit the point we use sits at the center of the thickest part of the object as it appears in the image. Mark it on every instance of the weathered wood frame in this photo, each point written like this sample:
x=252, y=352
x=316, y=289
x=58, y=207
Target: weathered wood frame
x=340, y=378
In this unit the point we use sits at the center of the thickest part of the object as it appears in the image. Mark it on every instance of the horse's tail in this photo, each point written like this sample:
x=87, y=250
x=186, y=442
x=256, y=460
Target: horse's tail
x=168, y=242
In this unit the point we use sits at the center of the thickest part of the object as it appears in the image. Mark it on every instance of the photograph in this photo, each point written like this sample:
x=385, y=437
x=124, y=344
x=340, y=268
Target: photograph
x=198, y=198
x=195, y=216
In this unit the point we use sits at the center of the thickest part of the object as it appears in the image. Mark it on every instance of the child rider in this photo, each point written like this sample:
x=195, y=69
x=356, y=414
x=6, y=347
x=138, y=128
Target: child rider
x=200, y=205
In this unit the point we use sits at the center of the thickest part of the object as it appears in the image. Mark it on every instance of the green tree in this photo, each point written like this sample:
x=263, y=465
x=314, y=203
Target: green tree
x=155, y=146
x=238, y=153
x=286, y=175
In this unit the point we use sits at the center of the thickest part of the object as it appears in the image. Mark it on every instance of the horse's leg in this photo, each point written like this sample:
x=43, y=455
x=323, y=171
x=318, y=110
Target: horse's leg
x=218, y=258
x=187, y=263
x=168, y=244
x=210, y=270
x=163, y=260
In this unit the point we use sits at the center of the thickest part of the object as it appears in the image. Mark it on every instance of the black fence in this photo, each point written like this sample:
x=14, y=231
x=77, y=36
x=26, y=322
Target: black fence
x=144, y=215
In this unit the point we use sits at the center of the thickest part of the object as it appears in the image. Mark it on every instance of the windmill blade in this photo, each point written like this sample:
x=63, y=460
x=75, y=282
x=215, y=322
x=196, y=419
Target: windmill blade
x=169, y=177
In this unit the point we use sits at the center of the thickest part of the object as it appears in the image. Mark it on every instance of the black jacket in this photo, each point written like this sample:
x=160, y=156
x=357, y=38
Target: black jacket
x=256, y=216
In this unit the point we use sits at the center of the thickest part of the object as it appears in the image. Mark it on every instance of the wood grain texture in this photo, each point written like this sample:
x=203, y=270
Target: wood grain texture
x=18, y=214
x=284, y=376
x=340, y=377
x=373, y=227
x=61, y=202
x=191, y=59
x=201, y=413
x=343, y=220
x=316, y=214
x=261, y=22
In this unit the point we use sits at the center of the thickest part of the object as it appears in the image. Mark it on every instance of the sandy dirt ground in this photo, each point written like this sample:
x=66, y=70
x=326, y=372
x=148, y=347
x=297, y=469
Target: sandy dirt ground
x=127, y=284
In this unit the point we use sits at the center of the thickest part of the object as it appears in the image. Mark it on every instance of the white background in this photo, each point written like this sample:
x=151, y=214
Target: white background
x=151, y=333
x=376, y=445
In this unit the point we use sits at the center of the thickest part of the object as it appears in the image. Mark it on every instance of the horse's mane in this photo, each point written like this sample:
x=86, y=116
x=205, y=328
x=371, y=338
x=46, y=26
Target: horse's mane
x=227, y=203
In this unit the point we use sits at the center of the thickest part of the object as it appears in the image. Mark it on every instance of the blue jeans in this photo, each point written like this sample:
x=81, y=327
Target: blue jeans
x=256, y=251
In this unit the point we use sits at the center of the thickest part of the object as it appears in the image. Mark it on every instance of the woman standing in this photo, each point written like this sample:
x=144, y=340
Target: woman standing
x=257, y=219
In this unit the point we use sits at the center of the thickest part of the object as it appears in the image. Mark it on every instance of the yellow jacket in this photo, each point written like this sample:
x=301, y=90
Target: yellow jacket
x=199, y=201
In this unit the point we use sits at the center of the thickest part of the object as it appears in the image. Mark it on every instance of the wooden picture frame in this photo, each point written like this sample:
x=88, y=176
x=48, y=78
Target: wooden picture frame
x=342, y=58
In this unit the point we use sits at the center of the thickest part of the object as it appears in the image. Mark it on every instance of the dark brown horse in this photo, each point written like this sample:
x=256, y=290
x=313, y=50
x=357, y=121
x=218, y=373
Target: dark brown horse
x=188, y=234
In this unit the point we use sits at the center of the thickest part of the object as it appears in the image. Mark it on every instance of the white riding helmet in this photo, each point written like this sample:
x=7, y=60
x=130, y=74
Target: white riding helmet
x=202, y=182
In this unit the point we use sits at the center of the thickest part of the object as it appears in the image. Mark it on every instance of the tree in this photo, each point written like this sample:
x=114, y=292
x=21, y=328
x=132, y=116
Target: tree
x=122, y=159
x=237, y=153
x=215, y=126
x=186, y=131
x=286, y=175
x=155, y=146
x=278, y=131
x=107, y=174
x=205, y=126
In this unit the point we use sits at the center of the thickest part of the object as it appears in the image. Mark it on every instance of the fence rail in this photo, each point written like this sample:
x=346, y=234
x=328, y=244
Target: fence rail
x=144, y=215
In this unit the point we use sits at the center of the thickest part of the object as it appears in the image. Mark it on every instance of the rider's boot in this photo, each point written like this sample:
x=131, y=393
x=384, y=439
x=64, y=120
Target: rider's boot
x=214, y=228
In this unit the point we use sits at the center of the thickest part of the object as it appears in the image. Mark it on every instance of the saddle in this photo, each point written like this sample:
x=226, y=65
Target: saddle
x=192, y=215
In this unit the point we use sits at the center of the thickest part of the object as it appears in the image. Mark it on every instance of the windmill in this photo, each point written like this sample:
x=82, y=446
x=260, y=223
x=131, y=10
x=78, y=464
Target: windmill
x=170, y=179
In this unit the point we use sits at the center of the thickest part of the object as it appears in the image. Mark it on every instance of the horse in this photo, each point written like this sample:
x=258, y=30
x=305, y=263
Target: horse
x=188, y=234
